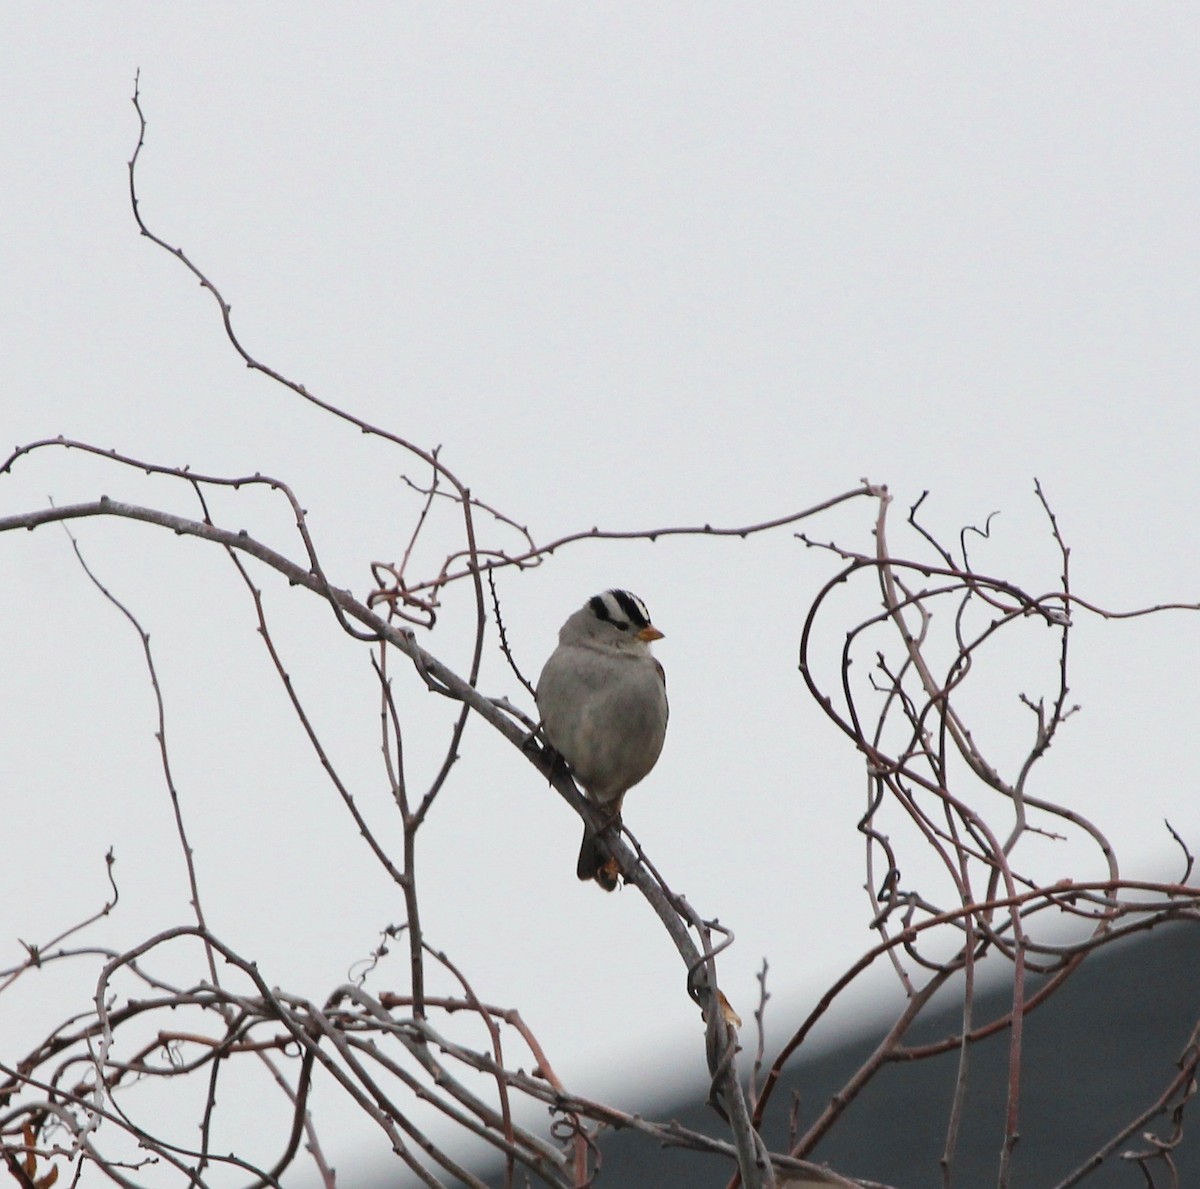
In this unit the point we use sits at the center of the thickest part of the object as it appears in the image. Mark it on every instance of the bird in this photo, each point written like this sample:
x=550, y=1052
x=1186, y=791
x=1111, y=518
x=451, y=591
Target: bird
x=602, y=698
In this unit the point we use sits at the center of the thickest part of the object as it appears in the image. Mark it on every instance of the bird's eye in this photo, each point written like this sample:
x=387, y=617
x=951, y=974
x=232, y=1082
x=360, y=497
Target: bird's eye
x=623, y=627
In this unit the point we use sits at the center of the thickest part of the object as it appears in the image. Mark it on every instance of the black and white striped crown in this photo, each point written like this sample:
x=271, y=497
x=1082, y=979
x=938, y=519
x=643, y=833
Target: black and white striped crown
x=620, y=608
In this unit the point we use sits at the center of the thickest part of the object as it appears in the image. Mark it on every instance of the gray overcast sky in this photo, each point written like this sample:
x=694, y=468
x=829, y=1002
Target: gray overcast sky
x=631, y=265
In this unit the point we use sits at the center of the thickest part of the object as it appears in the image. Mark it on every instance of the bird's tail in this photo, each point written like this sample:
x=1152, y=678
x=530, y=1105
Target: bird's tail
x=594, y=861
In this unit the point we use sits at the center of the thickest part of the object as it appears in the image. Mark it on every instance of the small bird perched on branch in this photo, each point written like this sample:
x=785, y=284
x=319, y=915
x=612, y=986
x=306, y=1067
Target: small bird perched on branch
x=603, y=701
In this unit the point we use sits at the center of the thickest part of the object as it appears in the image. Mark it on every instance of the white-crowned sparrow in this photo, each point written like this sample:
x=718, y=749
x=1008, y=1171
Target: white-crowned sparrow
x=603, y=702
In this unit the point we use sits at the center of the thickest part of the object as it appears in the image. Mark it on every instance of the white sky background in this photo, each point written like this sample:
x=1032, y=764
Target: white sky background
x=631, y=266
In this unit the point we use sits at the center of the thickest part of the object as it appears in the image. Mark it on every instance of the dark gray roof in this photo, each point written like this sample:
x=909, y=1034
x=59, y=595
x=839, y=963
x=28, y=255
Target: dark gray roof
x=1096, y=1055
